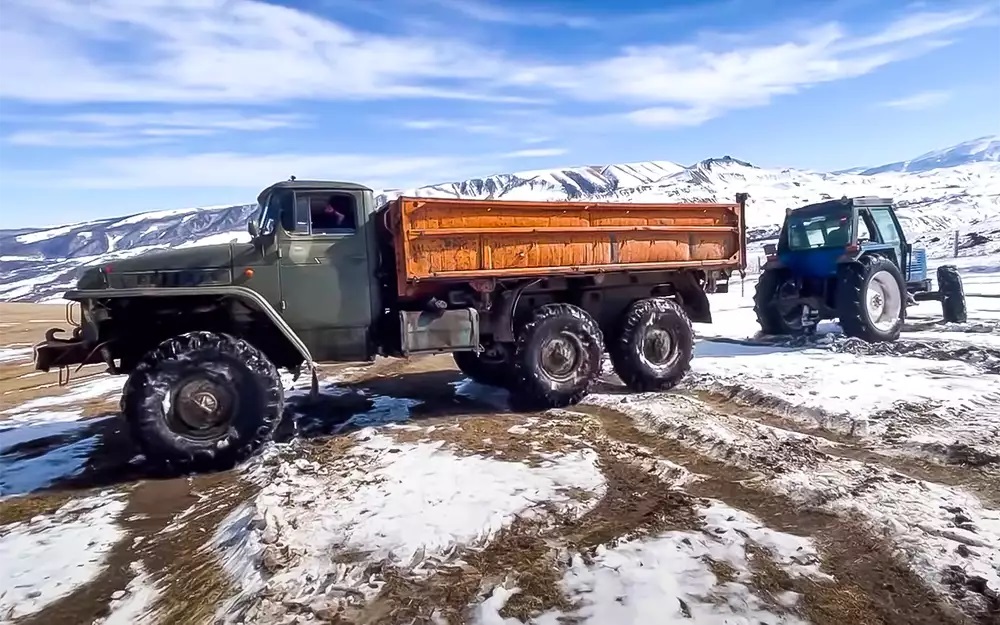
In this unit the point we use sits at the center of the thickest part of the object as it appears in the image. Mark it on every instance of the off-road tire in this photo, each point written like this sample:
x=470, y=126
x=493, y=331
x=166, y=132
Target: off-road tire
x=765, y=304
x=953, y=307
x=485, y=370
x=254, y=399
x=536, y=388
x=852, y=288
x=630, y=357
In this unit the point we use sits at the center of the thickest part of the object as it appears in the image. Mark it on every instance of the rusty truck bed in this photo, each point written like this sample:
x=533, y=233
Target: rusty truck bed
x=449, y=239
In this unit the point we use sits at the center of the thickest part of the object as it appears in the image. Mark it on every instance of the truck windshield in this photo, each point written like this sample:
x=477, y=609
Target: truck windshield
x=806, y=232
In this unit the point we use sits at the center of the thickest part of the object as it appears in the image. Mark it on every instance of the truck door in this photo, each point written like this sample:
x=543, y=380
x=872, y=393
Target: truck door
x=325, y=272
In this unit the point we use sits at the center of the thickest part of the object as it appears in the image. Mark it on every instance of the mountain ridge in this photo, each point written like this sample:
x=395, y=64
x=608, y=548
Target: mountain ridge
x=39, y=264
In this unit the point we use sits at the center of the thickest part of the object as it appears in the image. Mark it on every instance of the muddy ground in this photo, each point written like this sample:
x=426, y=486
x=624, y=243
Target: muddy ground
x=169, y=530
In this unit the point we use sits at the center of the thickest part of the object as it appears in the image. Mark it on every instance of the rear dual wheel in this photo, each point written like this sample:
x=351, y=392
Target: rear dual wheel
x=654, y=346
x=557, y=357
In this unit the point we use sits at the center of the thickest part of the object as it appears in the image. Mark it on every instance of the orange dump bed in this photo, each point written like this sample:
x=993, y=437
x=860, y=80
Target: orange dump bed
x=438, y=239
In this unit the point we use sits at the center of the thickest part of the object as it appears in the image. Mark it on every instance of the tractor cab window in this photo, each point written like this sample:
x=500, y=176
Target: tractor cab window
x=815, y=231
x=886, y=225
x=864, y=234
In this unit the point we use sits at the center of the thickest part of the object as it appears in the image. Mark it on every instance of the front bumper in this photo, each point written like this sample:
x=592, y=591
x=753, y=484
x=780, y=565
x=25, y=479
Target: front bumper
x=54, y=352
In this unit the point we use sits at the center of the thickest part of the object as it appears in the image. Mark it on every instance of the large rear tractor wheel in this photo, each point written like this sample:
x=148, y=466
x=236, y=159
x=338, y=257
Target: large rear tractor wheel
x=654, y=347
x=202, y=401
x=775, y=301
x=493, y=366
x=952, y=292
x=557, y=357
x=870, y=299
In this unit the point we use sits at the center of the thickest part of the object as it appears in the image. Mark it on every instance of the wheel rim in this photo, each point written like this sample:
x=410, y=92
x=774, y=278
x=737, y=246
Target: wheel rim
x=883, y=301
x=201, y=408
x=657, y=347
x=561, y=356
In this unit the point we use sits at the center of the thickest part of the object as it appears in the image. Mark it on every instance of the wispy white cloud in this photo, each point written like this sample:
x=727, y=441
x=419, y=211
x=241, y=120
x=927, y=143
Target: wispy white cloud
x=482, y=11
x=535, y=153
x=210, y=51
x=920, y=101
x=117, y=130
x=474, y=127
x=207, y=51
x=688, y=84
x=251, y=170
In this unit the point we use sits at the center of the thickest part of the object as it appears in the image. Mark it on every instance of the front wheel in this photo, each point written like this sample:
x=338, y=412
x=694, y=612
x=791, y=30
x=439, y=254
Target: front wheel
x=557, y=357
x=654, y=346
x=776, y=303
x=202, y=401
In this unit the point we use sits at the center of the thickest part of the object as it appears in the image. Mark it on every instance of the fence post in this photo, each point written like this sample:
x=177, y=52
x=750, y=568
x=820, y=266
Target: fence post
x=955, y=255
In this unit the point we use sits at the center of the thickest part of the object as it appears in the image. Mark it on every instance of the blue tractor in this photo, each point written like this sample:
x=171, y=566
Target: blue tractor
x=849, y=259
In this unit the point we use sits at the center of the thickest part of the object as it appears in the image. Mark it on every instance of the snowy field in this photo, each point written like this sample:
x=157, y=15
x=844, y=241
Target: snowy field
x=786, y=482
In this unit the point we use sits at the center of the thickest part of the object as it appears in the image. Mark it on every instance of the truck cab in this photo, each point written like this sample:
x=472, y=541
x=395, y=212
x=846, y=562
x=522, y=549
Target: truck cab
x=314, y=255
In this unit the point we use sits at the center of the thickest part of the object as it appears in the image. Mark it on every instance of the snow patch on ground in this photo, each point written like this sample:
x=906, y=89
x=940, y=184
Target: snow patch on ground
x=408, y=506
x=868, y=392
x=135, y=605
x=937, y=529
x=668, y=578
x=10, y=354
x=48, y=557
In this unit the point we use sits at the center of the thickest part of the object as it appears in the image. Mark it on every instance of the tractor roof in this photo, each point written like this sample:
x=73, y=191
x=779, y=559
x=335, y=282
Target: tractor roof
x=324, y=185
x=842, y=203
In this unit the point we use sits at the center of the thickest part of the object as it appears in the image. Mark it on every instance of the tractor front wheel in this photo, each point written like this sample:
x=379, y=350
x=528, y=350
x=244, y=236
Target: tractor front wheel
x=870, y=299
x=952, y=294
x=775, y=301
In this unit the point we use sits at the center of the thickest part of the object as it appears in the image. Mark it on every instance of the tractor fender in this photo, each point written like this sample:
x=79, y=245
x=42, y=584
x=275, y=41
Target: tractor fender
x=239, y=292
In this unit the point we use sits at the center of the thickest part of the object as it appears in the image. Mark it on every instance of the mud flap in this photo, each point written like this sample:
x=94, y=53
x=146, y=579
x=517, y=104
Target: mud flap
x=314, y=384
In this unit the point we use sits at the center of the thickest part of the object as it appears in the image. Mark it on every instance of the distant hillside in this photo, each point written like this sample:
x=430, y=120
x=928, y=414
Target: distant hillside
x=936, y=193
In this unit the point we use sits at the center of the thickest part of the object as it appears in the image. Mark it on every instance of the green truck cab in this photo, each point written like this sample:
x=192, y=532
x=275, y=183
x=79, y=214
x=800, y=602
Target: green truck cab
x=202, y=332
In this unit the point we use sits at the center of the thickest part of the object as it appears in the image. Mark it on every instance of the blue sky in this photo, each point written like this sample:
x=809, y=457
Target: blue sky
x=110, y=107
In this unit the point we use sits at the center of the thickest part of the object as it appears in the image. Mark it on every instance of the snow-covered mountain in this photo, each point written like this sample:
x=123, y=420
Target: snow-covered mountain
x=937, y=193
x=983, y=149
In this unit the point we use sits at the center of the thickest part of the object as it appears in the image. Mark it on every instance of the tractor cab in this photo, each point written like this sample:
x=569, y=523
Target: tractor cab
x=816, y=238
x=848, y=259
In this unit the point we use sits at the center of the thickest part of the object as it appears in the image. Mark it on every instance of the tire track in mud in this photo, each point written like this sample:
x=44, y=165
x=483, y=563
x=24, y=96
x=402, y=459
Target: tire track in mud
x=872, y=586
x=166, y=524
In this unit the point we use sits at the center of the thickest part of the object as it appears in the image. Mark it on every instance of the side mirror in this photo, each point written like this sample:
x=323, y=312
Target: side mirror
x=770, y=249
x=253, y=229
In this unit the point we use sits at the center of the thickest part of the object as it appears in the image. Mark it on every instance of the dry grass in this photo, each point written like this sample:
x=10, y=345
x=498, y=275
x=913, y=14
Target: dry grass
x=18, y=509
x=22, y=325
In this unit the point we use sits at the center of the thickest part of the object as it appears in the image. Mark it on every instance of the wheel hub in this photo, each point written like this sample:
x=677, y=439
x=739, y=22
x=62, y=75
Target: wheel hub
x=884, y=300
x=657, y=345
x=202, y=404
x=560, y=356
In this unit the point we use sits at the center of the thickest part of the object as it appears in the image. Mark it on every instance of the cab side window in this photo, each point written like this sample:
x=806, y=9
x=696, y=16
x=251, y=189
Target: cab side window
x=885, y=224
x=334, y=212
